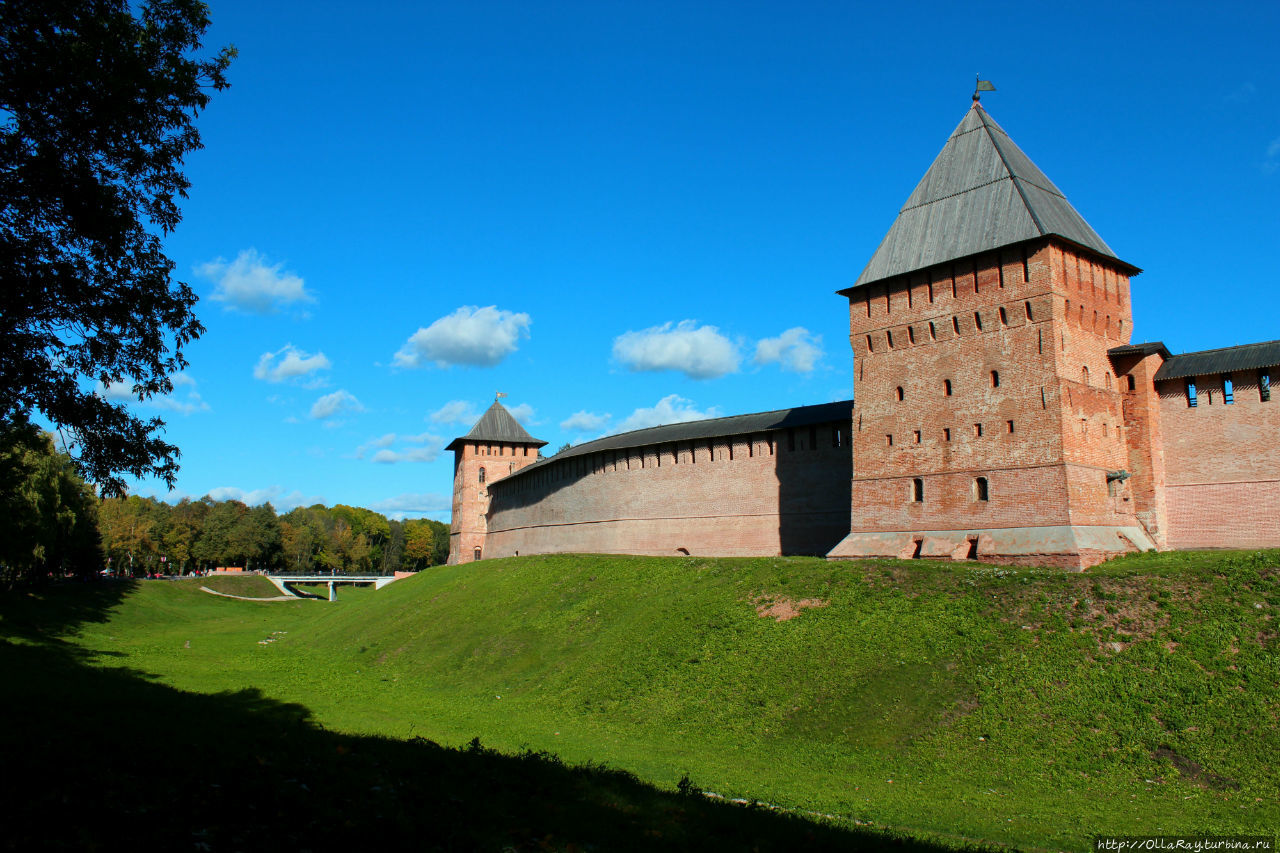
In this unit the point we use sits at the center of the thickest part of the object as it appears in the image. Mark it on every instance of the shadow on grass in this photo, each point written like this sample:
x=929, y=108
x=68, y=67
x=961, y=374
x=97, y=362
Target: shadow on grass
x=103, y=758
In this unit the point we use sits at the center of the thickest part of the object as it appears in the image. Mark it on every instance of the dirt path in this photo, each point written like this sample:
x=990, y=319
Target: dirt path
x=247, y=598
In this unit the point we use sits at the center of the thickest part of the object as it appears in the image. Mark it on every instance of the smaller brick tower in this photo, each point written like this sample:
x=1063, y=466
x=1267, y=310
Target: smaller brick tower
x=496, y=447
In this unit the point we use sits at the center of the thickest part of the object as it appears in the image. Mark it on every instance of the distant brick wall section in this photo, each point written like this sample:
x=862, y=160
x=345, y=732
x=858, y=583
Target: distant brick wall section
x=1222, y=464
x=778, y=492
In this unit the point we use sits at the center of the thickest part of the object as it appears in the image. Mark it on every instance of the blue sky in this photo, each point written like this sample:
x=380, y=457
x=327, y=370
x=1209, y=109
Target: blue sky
x=625, y=213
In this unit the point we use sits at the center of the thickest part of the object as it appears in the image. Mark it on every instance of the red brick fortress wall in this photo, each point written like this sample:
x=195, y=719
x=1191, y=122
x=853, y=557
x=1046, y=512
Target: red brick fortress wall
x=780, y=492
x=1222, y=463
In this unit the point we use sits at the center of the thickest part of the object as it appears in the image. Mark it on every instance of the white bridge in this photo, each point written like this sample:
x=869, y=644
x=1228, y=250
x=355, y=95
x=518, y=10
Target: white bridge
x=283, y=582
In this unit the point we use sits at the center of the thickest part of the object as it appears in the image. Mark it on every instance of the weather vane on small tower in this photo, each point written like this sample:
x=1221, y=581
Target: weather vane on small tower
x=981, y=86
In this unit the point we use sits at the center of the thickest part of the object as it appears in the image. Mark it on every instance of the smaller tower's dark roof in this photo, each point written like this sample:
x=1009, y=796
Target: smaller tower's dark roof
x=1145, y=349
x=1214, y=361
x=497, y=424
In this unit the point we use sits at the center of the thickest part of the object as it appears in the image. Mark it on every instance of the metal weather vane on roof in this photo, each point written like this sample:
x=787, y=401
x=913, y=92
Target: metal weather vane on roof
x=981, y=85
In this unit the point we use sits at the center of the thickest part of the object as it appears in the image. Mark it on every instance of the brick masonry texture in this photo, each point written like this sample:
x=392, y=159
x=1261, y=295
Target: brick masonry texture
x=778, y=492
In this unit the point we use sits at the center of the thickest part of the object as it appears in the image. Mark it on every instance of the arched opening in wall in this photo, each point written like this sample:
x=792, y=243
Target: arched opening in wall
x=1084, y=375
x=972, y=553
x=684, y=552
x=482, y=475
x=1106, y=379
x=477, y=554
x=919, y=547
x=981, y=489
x=917, y=490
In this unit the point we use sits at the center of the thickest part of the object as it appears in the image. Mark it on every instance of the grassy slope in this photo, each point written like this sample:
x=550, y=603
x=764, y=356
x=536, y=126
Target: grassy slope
x=993, y=699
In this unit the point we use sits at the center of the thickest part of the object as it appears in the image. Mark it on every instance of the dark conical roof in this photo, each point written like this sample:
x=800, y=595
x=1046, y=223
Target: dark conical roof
x=497, y=424
x=981, y=193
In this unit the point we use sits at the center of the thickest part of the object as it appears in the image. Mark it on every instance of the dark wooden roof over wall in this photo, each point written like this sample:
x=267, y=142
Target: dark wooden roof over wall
x=801, y=416
x=1212, y=362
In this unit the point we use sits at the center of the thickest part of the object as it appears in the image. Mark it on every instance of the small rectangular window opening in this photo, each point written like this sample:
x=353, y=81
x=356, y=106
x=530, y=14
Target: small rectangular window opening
x=977, y=430
x=1228, y=390
x=981, y=490
x=955, y=324
x=916, y=435
x=946, y=433
x=911, y=334
x=995, y=379
x=1191, y=394
x=889, y=440
x=917, y=490
x=889, y=335
x=1264, y=386
x=1010, y=425
x=870, y=348
x=946, y=387
x=1026, y=267
x=933, y=331
x=1027, y=307
x=1132, y=385
x=1004, y=318
x=977, y=320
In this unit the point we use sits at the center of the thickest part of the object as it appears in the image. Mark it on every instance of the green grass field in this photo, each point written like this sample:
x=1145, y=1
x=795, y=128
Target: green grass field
x=952, y=703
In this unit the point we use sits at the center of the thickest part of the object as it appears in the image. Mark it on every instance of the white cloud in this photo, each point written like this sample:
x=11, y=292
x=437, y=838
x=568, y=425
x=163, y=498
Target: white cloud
x=405, y=505
x=383, y=441
x=338, y=402
x=455, y=412
x=255, y=497
x=251, y=283
x=585, y=421
x=671, y=409
x=476, y=336
x=523, y=413
x=1272, y=162
x=699, y=352
x=795, y=349
x=184, y=399
x=288, y=362
x=427, y=450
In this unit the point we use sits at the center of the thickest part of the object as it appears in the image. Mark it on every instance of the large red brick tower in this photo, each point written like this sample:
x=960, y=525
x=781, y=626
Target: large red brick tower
x=496, y=447
x=987, y=421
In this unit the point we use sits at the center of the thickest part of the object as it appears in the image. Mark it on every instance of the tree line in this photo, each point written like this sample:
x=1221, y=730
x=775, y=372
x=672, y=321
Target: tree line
x=52, y=523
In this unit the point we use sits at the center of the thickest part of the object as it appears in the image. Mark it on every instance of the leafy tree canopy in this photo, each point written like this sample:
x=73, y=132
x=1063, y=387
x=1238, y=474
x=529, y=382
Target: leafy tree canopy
x=97, y=106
